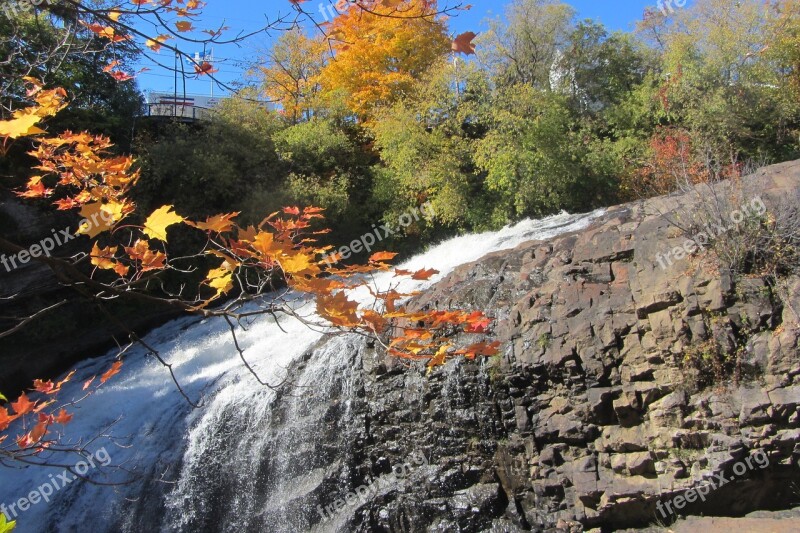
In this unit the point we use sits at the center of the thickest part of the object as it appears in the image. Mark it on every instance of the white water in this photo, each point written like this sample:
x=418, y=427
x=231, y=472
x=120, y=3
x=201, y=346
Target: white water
x=159, y=438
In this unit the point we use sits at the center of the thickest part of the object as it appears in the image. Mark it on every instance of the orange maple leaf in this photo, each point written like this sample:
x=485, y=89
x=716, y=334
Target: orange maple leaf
x=5, y=419
x=63, y=417
x=23, y=405
x=217, y=224
x=424, y=274
x=338, y=309
x=111, y=372
x=463, y=43
x=382, y=256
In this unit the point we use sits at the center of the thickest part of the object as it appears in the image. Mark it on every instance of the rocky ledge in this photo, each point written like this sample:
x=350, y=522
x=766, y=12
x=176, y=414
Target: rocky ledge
x=597, y=414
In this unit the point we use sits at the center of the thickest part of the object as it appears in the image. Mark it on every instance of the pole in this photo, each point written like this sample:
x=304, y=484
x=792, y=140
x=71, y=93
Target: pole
x=175, y=99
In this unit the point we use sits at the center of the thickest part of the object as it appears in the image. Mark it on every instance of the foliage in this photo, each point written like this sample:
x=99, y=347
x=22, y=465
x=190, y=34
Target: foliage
x=423, y=164
x=379, y=57
x=522, y=48
x=5, y=526
x=56, y=49
x=762, y=241
x=290, y=74
x=530, y=155
x=723, y=83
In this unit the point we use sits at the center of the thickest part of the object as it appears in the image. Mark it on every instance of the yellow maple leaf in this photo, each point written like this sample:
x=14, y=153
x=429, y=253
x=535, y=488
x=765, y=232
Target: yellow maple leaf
x=96, y=219
x=264, y=243
x=157, y=223
x=104, y=257
x=20, y=126
x=338, y=309
x=220, y=279
x=296, y=264
x=439, y=359
x=6, y=527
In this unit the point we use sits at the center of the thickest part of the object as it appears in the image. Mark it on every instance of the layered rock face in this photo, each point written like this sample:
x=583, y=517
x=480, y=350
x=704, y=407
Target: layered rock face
x=593, y=414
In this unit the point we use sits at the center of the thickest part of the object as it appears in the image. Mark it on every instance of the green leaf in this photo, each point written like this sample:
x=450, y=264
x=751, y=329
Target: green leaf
x=6, y=527
x=3, y=398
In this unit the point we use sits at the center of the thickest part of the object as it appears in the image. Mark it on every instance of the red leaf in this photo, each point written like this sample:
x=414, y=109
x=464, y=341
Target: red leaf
x=43, y=386
x=63, y=417
x=111, y=372
x=23, y=405
x=425, y=273
x=463, y=43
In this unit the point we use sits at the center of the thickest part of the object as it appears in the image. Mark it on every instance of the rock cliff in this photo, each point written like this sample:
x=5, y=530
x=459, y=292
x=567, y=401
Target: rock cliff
x=592, y=415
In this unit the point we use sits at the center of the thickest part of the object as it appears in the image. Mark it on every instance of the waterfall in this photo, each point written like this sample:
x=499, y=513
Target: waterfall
x=248, y=459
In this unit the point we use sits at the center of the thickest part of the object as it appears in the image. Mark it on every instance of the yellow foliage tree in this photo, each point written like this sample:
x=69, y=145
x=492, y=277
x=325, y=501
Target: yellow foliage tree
x=289, y=76
x=380, y=49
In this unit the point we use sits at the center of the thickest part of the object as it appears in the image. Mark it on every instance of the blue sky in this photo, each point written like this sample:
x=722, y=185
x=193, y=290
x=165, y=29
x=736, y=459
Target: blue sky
x=249, y=15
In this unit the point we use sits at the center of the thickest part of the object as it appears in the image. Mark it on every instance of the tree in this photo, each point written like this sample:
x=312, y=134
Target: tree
x=531, y=154
x=208, y=167
x=58, y=51
x=380, y=49
x=290, y=75
x=723, y=83
x=427, y=151
x=523, y=47
x=598, y=70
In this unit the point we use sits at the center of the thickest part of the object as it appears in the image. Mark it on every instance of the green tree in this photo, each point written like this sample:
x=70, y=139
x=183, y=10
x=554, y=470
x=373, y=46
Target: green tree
x=326, y=167
x=207, y=168
x=426, y=143
x=532, y=154
x=723, y=83
x=523, y=46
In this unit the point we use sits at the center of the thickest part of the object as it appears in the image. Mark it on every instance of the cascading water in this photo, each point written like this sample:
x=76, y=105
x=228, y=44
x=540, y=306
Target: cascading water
x=247, y=460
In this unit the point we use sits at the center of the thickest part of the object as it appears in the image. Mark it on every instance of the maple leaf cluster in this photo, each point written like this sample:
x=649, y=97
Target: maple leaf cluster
x=42, y=413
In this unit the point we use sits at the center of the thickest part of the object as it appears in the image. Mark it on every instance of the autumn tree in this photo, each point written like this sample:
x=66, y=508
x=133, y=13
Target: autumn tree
x=721, y=79
x=289, y=76
x=380, y=49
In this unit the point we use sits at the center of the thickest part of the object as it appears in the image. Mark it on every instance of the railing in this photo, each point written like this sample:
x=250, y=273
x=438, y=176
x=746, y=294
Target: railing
x=184, y=112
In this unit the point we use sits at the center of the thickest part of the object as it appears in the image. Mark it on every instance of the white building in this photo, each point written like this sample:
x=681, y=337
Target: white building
x=186, y=107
